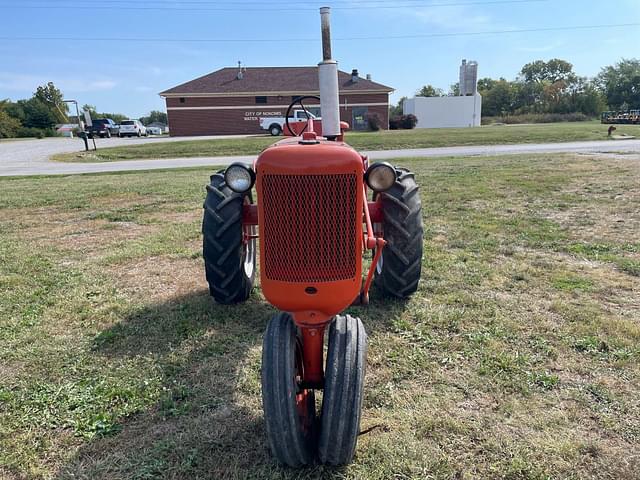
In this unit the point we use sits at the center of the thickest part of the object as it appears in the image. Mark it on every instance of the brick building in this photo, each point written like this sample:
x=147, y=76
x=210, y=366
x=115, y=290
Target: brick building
x=230, y=101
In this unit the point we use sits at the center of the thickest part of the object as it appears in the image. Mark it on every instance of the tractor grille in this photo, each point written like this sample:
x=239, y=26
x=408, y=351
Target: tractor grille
x=309, y=227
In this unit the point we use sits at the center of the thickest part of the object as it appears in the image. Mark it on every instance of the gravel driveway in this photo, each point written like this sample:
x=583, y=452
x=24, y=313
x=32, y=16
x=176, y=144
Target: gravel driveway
x=30, y=157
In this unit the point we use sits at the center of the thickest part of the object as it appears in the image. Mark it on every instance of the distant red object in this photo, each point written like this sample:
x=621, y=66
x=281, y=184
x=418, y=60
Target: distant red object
x=298, y=127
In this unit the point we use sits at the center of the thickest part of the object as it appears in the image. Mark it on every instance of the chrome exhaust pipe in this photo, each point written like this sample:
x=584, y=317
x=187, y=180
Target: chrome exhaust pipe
x=328, y=79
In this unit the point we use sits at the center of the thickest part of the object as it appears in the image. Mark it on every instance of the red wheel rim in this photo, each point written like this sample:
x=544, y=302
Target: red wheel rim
x=305, y=400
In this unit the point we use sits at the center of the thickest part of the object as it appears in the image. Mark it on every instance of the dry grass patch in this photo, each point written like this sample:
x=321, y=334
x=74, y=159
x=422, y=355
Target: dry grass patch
x=158, y=279
x=605, y=202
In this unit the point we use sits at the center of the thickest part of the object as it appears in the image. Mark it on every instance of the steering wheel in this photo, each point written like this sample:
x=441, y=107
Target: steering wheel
x=306, y=112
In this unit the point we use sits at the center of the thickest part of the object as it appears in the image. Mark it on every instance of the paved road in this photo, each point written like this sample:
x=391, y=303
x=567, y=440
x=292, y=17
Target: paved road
x=30, y=157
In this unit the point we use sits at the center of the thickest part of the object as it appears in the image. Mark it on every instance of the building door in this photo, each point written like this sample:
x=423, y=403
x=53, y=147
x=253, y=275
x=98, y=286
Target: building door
x=359, y=118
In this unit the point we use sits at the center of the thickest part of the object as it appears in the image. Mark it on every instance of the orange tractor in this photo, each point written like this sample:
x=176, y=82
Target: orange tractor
x=313, y=219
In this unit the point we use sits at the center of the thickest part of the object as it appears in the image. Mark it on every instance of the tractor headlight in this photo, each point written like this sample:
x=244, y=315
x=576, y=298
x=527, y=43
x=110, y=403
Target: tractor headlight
x=380, y=176
x=239, y=177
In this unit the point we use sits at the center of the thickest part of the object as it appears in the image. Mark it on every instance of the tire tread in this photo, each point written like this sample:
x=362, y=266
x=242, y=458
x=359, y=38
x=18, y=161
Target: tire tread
x=286, y=440
x=344, y=385
x=403, y=230
x=222, y=246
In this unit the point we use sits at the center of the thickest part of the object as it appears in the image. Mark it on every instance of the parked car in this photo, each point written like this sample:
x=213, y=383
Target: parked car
x=154, y=130
x=275, y=125
x=103, y=127
x=132, y=128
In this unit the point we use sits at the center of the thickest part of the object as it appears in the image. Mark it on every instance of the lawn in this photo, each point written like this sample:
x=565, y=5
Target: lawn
x=21, y=139
x=518, y=358
x=383, y=140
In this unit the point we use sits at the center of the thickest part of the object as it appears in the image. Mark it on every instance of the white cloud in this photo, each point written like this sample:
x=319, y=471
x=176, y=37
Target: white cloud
x=28, y=82
x=458, y=18
x=542, y=48
x=98, y=85
x=18, y=82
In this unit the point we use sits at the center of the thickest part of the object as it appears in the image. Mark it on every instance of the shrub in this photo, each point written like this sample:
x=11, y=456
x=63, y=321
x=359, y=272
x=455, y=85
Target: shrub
x=374, y=122
x=32, y=132
x=409, y=122
x=9, y=126
x=537, y=118
x=406, y=122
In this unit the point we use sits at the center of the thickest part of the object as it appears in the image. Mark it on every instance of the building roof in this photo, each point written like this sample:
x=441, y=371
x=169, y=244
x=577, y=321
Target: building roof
x=268, y=81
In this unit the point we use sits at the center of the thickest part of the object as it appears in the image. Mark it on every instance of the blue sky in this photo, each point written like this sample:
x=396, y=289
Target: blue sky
x=126, y=76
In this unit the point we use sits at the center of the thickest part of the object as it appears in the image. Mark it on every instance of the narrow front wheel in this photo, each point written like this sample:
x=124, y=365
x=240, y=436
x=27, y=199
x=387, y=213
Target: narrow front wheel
x=289, y=408
x=343, y=390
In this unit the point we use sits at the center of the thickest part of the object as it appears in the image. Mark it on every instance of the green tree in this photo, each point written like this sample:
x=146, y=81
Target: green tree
x=37, y=114
x=486, y=84
x=8, y=125
x=430, y=91
x=552, y=71
x=116, y=117
x=620, y=84
x=53, y=98
x=154, y=116
x=91, y=109
x=454, y=89
x=499, y=100
x=15, y=110
x=398, y=109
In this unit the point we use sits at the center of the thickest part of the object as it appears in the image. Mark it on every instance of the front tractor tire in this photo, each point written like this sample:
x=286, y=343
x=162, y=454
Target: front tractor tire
x=398, y=270
x=289, y=409
x=343, y=390
x=230, y=260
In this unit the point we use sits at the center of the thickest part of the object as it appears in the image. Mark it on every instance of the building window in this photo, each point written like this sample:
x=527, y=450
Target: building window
x=261, y=100
x=182, y=100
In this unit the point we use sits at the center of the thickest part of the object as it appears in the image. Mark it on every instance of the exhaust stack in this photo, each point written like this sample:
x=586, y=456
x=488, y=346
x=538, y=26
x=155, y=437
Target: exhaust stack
x=328, y=77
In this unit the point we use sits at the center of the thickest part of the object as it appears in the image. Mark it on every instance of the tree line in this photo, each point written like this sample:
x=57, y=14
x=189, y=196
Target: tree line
x=552, y=87
x=38, y=115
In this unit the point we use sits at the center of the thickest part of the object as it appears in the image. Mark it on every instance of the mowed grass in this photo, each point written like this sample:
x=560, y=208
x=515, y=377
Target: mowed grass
x=383, y=140
x=518, y=358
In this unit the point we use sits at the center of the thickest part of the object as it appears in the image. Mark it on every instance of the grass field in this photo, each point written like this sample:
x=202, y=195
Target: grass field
x=21, y=139
x=383, y=140
x=517, y=359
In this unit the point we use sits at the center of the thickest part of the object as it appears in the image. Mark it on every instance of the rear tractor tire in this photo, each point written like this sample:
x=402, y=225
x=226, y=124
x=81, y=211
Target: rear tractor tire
x=343, y=390
x=289, y=410
x=398, y=270
x=230, y=261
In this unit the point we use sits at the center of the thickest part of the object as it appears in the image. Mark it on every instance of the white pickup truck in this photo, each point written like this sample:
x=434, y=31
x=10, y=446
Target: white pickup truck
x=275, y=125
